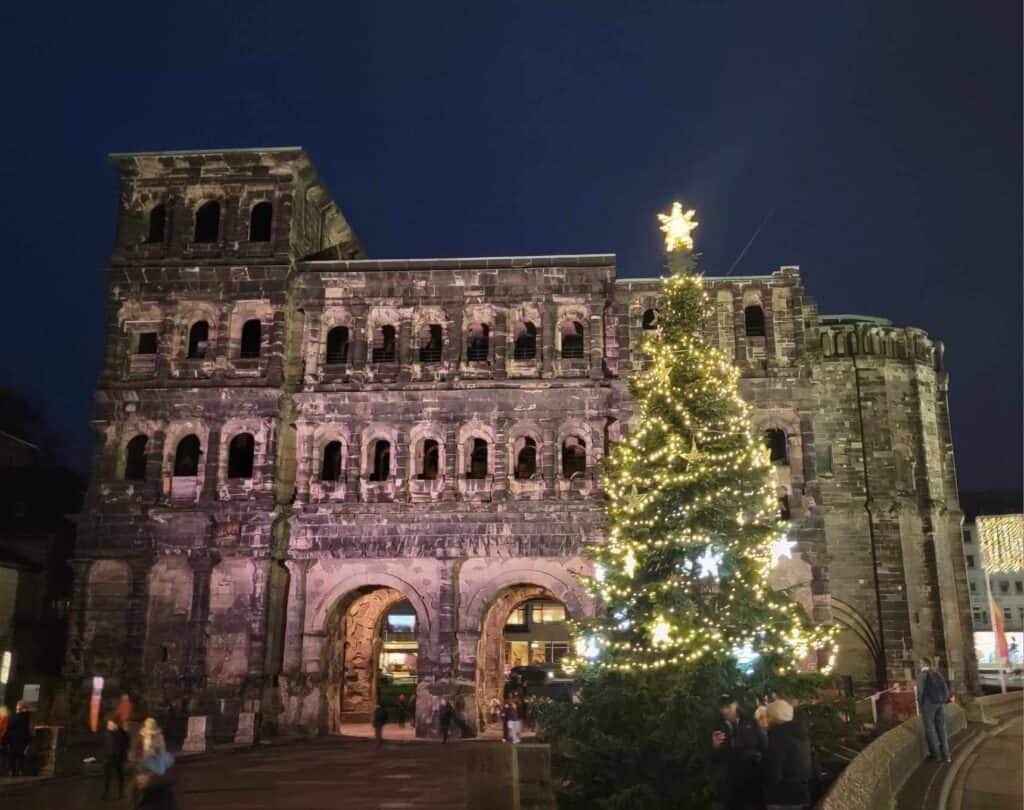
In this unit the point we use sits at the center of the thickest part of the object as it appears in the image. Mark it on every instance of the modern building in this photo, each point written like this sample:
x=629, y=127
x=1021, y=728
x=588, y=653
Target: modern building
x=1006, y=589
x=293, y=439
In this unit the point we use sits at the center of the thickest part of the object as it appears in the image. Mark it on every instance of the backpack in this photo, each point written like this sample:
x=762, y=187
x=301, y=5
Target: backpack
x=935, y=690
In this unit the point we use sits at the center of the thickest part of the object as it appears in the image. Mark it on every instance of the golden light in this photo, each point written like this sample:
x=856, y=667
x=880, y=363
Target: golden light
x=678, y=227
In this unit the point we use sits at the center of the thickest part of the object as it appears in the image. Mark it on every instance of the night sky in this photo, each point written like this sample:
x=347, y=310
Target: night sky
x=879, y=144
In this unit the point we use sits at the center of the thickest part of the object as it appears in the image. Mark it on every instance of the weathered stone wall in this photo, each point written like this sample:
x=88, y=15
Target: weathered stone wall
x=232, y=590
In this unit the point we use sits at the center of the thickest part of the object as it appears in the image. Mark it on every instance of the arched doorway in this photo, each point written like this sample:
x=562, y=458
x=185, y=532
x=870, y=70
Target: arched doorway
x=526, y=625
x=371, y=654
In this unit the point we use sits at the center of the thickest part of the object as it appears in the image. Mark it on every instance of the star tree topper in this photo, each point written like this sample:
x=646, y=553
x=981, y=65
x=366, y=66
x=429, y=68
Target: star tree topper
x=678, y=227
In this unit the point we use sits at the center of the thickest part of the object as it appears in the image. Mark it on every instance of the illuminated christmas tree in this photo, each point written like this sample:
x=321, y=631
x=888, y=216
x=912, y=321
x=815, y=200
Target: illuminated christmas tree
x=693, y=527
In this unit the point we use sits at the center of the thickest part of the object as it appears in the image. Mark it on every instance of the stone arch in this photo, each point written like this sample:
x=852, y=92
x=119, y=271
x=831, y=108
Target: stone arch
x=580, y=429
x=189, y=313
x=418, y=435
x=475, y=429
x=371, y=433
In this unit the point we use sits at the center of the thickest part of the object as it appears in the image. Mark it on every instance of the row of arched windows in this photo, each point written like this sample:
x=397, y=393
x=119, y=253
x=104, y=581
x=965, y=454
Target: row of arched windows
x=753, y=320
x=207, y=223
x=241, y=452
x=248, y=347
x=430, y=343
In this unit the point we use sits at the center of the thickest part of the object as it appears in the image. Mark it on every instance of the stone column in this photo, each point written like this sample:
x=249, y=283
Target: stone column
x=74, y=662
x=202, y=563
x=547, y=342
x=295, y=616
x=499, y=343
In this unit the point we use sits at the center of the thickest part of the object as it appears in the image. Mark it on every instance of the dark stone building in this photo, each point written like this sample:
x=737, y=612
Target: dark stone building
x=292, y=439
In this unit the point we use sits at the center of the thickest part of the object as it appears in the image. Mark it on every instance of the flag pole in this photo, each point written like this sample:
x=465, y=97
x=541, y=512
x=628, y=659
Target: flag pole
x=993, y=607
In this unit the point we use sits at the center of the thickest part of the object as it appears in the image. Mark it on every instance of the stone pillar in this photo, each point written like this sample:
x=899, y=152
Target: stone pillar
x=547, y=341
x=199, y=735
x=202, y=564
x=74, y=662
x=295, y=616
x=246, y=733
x=499, y=343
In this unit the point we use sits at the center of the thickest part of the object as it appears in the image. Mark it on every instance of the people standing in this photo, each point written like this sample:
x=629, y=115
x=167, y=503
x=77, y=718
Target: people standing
x=5, y=718
x=19, y=733
x=380, y=717
x=402, y=710
x=115, y=753
x=788, y=766
x=738, y=746
x=504, y=722
x=932, y=697
x=154, y=779
x=445, y=718
x=124, y=710
x=513, y=722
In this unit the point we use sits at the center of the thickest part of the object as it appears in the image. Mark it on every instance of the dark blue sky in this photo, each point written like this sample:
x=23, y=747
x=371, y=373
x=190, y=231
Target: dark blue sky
x=885, y=137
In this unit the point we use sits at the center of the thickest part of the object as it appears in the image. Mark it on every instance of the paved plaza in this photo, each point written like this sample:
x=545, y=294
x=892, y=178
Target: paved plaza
x=330, y=773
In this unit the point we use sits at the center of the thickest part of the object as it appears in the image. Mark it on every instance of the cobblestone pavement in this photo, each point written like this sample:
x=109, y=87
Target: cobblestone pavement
x=337, y=773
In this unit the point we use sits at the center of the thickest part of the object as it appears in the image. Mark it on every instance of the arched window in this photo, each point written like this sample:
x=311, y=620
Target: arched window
x=198, y=340
x=753, y=318
x=572, y=340
x=251, y=338
x=526, y=459
x=337, y=345
x=478, y=343
x=524, y=346
x=574, y=457
x=477, y=467
x=650, y=319
x=431, y=343
x=384, y=344
x=775, y=441
x=381, y=455
x=430, y=466
x=259, y=222
x=135, y=459
x=330, y=468
x=186, y=457
x=157, y=224
x=240, y=455
x=208, y=222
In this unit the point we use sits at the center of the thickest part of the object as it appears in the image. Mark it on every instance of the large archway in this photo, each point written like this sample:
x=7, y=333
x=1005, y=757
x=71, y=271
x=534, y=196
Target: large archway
x=370, y=654
x=525, y=624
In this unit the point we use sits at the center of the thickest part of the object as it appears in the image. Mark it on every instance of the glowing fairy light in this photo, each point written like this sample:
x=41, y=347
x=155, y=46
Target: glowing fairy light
x=783, y=547
x=709, y=563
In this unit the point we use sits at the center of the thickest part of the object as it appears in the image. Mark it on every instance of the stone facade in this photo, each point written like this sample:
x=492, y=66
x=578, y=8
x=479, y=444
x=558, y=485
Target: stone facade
x=291, y=438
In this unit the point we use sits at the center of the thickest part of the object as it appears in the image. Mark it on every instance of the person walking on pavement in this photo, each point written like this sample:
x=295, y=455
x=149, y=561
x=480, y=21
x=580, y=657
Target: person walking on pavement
x=932, y=697
x=402, y=710
x=738, y=746
x=19, y=733
x=154, y=779
x=445, y=718
x=380, y=717
x=115, y=753
x=513, y=722
x=788, y=765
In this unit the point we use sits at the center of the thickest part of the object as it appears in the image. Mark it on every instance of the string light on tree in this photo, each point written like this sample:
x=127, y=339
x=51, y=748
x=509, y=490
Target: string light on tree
x=690, y=495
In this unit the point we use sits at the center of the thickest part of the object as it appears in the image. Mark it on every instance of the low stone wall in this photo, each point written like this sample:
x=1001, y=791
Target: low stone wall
x=874, y=778
x=993, y=708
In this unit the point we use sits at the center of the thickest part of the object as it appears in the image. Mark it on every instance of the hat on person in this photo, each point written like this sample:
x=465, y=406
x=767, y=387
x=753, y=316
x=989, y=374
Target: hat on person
x=726, y=700
x=779, y=711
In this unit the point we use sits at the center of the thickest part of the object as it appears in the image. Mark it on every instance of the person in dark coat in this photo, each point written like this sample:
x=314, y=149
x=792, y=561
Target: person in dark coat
x=115, y=753
x=403, y=710
x=738, y=746
x=19, y=733
x=932, y=697
x=380, y=717
x=445, y=718
x=788, y=768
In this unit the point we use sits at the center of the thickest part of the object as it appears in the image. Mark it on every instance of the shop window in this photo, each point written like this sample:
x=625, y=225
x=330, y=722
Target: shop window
x=384, y=344
x=524, y=346
x=753, y=319
x=477, y=468
x=478, y=343
x=186, y=457
x=574, y=457
x=240, y=456
x=572, y=340
x=381, y=455
x=555, y=651
x=135, y=459
x=431, y=343
x=208, y=222
x=147, y=343
x=252, y=335
x=526, y=459
x=775, y=441
x=543, y=611
x=157, y=224
x=337, y=345
x=649, y=320
x=330, y=466
x=430, y=465
x=260, y=220
x=517, y=618
x=198, y=340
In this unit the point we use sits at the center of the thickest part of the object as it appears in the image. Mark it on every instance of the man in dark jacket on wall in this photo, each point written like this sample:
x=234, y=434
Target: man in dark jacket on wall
x=788, y=765
x=19, y=734
x=932, y=697
x=738, y=746
x=115, y=754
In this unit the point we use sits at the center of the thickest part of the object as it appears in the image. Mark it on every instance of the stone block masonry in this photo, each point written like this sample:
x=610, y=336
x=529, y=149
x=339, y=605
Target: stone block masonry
x=293, y=440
